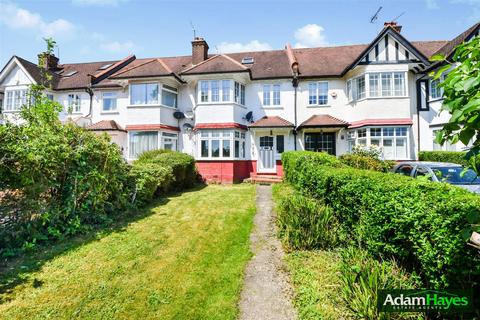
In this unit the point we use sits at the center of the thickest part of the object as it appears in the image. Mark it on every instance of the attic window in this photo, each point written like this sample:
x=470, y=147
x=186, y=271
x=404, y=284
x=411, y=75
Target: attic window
x=247, y=60
x=70, y=73
x=105, y=66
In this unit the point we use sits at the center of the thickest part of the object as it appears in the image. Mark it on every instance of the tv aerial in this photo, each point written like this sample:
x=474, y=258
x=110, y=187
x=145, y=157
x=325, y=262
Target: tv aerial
x=374, y=18
x=397, y=17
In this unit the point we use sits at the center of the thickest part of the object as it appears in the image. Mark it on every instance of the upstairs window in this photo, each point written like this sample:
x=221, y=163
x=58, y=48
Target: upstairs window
x=74, y=104
x=356, y=88
x=109, y=101
x=435, y=90
x=271, y=94
x=144, y=93
x=214, y=91
x=239, y=93
x=318, y=93
x=380, y=84
x=15, y=99
x=169, y=96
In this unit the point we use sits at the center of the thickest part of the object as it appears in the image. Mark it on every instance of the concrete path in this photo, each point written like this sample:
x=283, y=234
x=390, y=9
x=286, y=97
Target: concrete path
x=266, y=293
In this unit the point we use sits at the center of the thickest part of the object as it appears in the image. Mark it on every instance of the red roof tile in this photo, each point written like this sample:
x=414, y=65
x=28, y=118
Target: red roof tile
x=223, y=125
x=380, y=122
x=216, y=64
x=271, y=122
x=323, y=120
x=152, y=127
x=105, y=125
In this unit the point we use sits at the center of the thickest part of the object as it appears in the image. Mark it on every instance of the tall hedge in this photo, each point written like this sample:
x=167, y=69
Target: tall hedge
x=422, y=224
x=458, y=157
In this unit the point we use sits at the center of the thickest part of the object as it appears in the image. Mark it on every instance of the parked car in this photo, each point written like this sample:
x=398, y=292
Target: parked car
x=441, y=172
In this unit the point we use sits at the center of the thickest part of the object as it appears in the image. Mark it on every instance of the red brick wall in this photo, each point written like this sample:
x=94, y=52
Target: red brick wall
x=230, y=171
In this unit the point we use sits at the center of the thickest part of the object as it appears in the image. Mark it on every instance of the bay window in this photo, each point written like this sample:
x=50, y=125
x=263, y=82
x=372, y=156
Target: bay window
x=219, y=91
x=239, y=93
x=144, y=93
x=225, y=90
x=318, y=93
x=73, y=103
x=109, y=101
x=222, y=144
x=142, y=141
x=15, y=99
x=380, y=84
x=392, y=141
x=169, y=96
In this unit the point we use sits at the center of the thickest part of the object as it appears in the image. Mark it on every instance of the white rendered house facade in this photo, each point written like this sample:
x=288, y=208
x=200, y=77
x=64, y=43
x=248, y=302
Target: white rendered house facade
x=236, y=113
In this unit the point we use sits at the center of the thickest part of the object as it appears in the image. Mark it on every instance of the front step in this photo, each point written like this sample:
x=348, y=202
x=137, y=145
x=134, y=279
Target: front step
x=264, y=179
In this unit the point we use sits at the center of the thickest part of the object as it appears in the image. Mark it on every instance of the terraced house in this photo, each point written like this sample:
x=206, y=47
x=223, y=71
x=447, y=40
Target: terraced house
x=237, y=112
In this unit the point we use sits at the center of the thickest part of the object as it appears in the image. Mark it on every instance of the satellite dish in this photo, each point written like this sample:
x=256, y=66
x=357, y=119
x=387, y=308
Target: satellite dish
x=187, y=127
x=189, y=114
x=178, y=115
x=249, y=116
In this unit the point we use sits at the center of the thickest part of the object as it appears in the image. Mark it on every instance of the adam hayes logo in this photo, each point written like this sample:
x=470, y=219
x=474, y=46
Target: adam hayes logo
x=451, y=301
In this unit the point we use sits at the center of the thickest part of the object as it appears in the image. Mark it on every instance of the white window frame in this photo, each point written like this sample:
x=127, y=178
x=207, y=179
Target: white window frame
x=112, y=97
x=159, y=88
x=14, y=99
x=221, y=135
x=226, y=92
x=355, y=137
x=169, y=89
x=439, y=90
x=162, y=138
x=351, y=88
x=74, y=103
x=271, y=96
x=315, y=86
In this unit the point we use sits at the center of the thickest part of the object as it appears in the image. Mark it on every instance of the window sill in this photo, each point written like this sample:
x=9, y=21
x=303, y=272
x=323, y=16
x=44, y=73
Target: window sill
x=220, y=103
x=75, y=113
x=109, y=112
x=377, y=98
x=219, y=159
x=435, y=100
x=10, y=111
x=318, y=105
x=273, y=107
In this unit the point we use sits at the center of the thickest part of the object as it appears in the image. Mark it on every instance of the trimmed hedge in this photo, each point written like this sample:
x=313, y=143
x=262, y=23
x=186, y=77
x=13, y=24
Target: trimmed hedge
x=458, y=157
x=366, y=162
x=422, y=224
x=151, y=180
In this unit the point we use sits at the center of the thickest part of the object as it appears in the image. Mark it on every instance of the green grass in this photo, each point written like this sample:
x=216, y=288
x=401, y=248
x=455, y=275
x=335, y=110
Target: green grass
x=182, y=260
x=317, y=286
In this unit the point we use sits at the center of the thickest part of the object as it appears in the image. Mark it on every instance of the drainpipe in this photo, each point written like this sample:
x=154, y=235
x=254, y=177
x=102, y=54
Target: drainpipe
x=419, y=96
x=90, y=93
x=295, y=87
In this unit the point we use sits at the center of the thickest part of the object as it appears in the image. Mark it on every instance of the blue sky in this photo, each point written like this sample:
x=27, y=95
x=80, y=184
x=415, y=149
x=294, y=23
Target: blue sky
x=95, y=30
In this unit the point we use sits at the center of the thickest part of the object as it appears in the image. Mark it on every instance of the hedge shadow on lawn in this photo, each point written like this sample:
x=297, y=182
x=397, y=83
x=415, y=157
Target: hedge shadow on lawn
x=15, y=271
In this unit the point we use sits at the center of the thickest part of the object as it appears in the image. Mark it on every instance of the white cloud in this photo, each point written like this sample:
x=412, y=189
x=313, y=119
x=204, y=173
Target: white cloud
x=432, y=4
x=255, y=45
x=98, y=3
x=17, y=18
x=118, y=47
x=310, y=35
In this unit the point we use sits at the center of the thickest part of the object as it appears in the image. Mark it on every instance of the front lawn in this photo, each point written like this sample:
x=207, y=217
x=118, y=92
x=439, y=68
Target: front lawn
x=184, y=260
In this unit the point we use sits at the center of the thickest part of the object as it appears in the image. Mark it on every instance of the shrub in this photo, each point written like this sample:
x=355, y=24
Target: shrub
x=304, y=223
x=151, y=180
x=423, y=225
x=182, y=165
x=366, y=162
x=362, y=277
x=152, y=154
x=444, y=156
x=371, y=151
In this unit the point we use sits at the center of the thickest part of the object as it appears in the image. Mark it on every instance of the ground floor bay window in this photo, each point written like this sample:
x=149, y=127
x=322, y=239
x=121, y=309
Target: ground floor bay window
x=392, y=141
x=141, y=141
x=221, y=144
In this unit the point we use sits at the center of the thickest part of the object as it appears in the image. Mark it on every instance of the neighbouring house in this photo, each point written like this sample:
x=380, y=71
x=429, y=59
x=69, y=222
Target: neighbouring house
x=237, y=112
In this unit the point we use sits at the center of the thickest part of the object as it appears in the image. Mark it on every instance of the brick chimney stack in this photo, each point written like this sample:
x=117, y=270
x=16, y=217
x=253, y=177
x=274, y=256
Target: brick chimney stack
x=50, y=61
x=199, y=50
x=394, y=25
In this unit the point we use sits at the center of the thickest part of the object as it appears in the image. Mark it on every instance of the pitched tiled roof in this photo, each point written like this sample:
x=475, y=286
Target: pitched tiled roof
x=323, y=120
x=216, y=64
x=447, y=49
x=143, y=127
x=144, y=68
x=271, y=122
x=266, y=64
x=428, y=48
x=220, y=125
x=35, y=72
x=380, y=122
x=105, y=125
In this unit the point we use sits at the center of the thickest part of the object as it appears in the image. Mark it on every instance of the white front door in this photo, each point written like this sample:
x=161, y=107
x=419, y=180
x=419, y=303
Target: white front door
x=266, y=155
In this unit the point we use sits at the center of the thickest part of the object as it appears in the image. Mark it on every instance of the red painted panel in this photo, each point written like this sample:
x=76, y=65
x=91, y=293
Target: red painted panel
x=230, y=171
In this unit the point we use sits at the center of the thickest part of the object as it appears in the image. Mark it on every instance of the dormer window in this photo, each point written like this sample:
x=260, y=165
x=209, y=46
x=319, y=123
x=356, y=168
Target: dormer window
x=247, y=60
x=70, y=73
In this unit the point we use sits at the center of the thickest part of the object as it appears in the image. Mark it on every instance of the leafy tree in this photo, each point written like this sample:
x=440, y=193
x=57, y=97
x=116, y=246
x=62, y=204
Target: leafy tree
x=461, y=89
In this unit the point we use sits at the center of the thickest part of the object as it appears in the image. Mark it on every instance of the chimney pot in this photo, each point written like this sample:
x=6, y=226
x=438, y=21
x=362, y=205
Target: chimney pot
x=199, y=50
x=50, y=62
x=394, y=25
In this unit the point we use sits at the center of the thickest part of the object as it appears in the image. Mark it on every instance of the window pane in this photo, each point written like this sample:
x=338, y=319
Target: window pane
x=374, y=85
x=388, y=151
x=266, y=95
x=323, y=93
x=312, y=93
x=402, y=132
x=362, y=133
x=204, y=148
x=225, y=90
x=152, y=93
x=237, y=92
x=386, y=84
x=349, y=90
x=276, y=94
x=242, y=94
x=242, y=155
x=137, y=94
x=204, y=133
x=375, y=132
x=216, y=133
x=401, y=149
x=237, y=148
x=215, y=148
x=280, y=144
x=226, y=148
x=214, y=85
x=361, y=87
x=399, y=83
x=204, y=91
x=435, y=89
x=169, y=98
x=109, y=101
x=388, y=132
x=141, y=142
x=9, y=101
x=375, y=142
